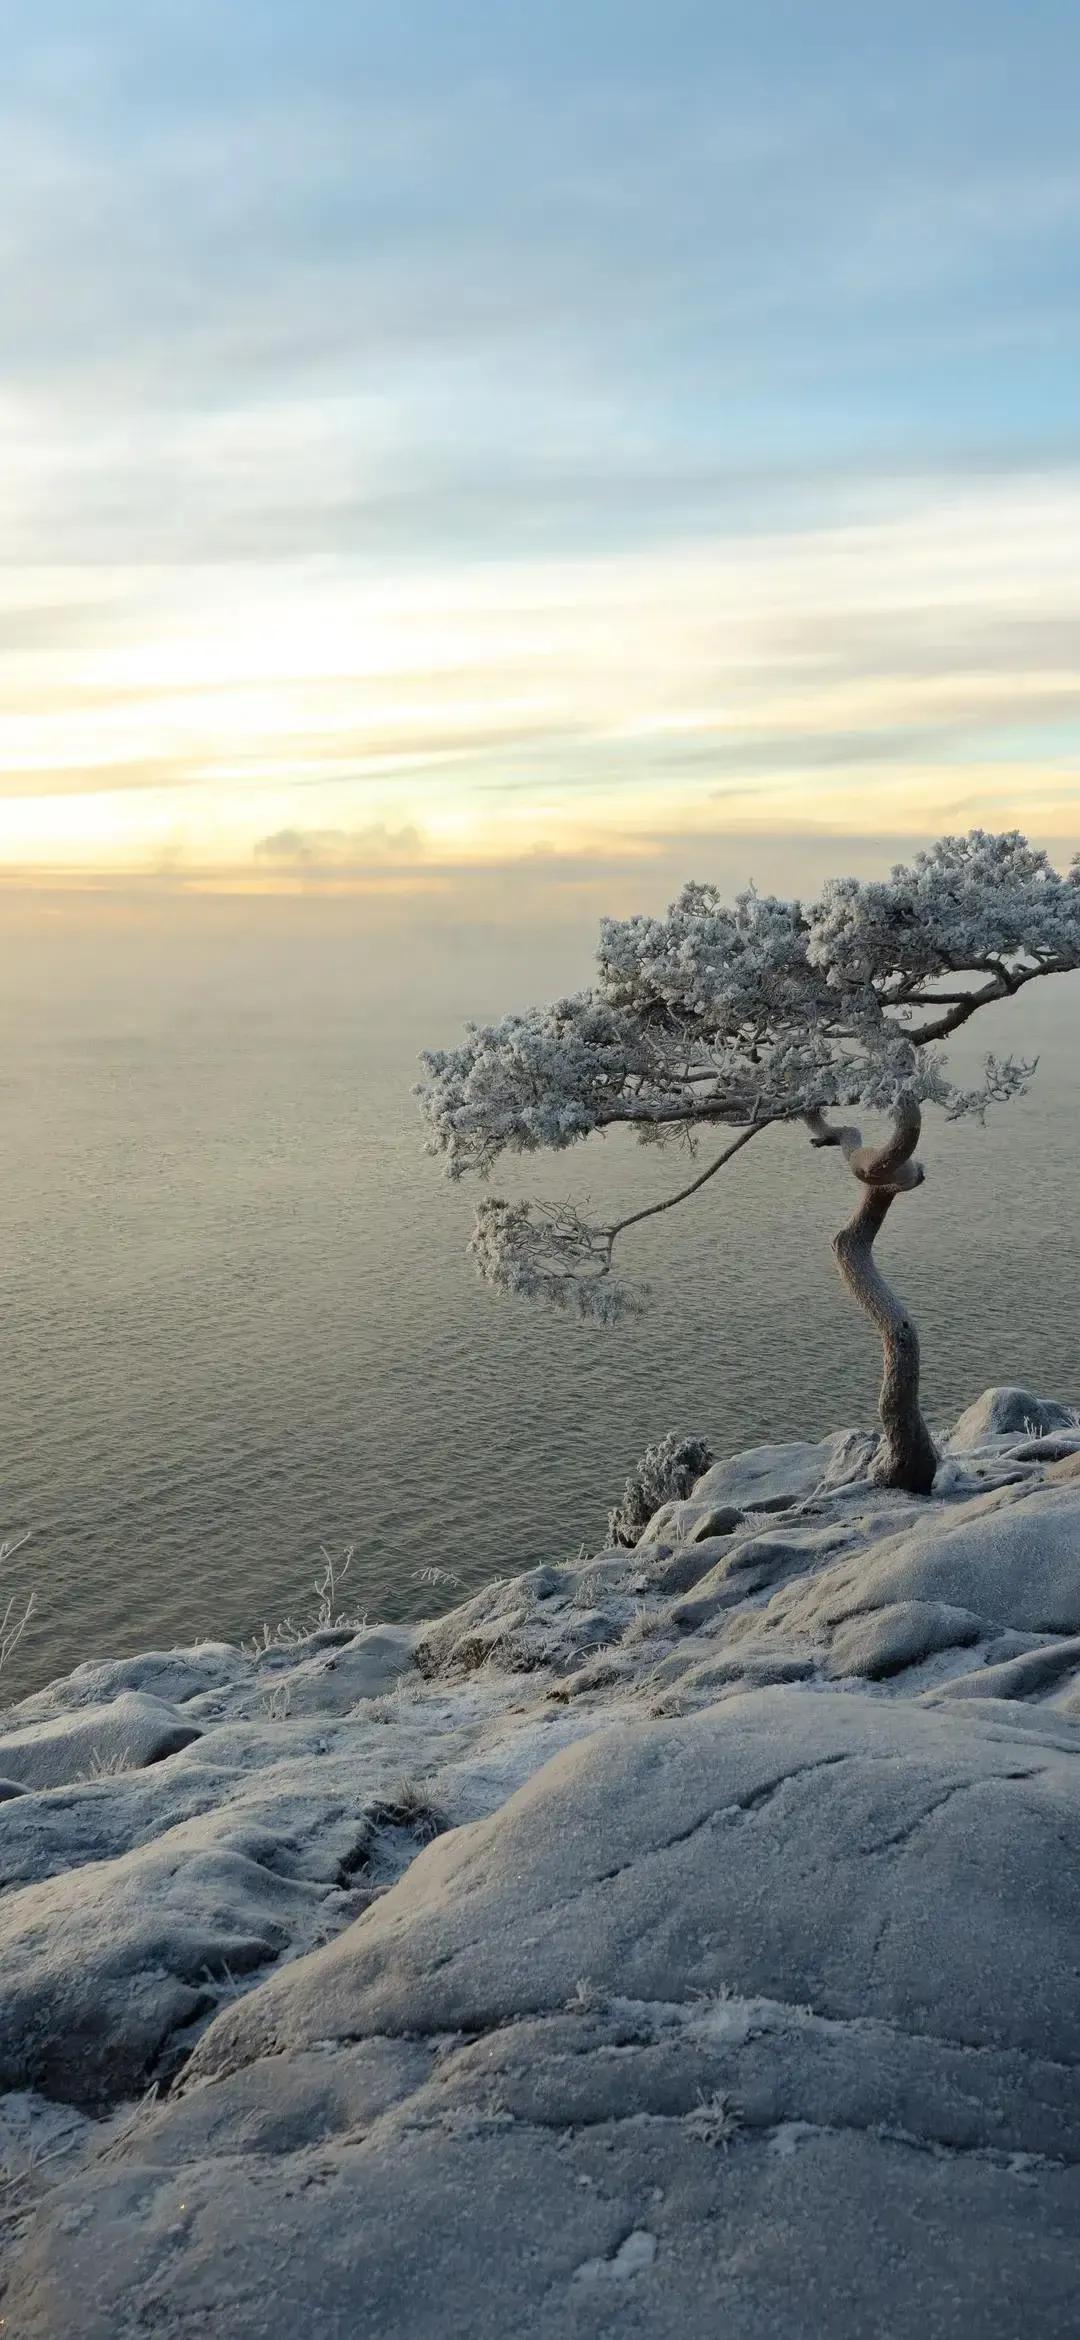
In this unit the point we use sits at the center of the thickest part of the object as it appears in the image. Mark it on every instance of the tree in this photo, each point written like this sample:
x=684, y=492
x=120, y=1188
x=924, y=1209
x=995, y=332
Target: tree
x=748, y=1015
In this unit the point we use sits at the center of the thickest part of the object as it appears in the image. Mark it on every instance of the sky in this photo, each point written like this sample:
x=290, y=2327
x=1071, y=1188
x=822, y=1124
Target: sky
x=463, y=440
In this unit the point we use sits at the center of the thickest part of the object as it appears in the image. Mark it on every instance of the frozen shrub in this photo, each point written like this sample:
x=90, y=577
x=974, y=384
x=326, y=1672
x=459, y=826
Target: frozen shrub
x=665, y=1473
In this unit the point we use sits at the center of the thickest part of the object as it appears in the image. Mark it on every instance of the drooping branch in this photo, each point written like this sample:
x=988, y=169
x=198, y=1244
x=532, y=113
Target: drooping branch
x=550, y=1251
x=653, y=1210
x=907, y=1457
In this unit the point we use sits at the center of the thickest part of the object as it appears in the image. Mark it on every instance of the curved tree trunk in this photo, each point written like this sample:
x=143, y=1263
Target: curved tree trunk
x=907, y=1457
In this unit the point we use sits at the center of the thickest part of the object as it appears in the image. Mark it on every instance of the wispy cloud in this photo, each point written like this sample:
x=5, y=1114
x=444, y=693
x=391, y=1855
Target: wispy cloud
x=357, y=850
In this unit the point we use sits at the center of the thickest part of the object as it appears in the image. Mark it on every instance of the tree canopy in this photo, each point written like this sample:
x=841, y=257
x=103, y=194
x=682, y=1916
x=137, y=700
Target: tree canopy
x=743, y=1015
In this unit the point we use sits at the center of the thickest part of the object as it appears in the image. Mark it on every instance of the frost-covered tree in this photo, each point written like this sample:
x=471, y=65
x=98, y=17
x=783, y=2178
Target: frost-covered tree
x=746, y=1015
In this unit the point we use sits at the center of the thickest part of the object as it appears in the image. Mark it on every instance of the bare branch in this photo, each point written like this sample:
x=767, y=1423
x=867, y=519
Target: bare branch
x=653, y=1209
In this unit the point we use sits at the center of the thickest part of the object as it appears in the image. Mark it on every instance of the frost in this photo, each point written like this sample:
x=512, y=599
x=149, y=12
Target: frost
x=736, y=1016
x=715, y=2120
x=548, y=1252
x=665, y=1473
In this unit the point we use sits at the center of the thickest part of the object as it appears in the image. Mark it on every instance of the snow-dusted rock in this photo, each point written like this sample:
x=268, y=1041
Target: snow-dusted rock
x=903, y=1633
x=174, y=1675
x=750, y=1565
x=96, y=1982
x=530, y=1623
x=737, y=1994
x=1025, y=1675
x=673, y=1847
x=1010, y=1409
x=336, y=1680
x=134, y=1729
x=765, y=1478
x=1010, y=1558
x=622, y=2012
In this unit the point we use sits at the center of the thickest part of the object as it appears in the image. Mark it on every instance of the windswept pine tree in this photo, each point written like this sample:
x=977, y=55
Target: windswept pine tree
x=743, y=1016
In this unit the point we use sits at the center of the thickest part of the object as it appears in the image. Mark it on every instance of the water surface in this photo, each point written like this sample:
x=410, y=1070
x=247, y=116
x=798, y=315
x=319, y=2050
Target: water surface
x=239, y=1323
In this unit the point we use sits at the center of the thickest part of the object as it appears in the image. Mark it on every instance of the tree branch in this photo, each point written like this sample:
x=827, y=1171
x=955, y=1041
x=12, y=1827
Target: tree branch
x=690, y=1110
x=654, y=1209
x=1003, y=986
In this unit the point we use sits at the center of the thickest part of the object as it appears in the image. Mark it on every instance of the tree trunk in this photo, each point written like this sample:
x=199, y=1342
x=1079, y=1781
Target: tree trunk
x=907, y=1457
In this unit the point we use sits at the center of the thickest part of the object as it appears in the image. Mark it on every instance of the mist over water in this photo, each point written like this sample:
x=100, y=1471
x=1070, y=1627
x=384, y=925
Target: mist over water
x=239, y=1323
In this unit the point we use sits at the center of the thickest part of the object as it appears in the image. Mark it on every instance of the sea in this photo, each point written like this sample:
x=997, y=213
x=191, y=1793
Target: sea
x=240, y=1329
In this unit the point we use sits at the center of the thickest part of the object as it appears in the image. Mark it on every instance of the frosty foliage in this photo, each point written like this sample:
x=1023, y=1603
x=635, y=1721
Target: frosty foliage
x=666, y=1472
x=736, y=1015
x=546, y=1251
x=971, y=904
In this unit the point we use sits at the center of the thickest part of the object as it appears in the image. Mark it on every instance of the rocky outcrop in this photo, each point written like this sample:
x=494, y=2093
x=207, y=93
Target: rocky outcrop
x=695, y=1923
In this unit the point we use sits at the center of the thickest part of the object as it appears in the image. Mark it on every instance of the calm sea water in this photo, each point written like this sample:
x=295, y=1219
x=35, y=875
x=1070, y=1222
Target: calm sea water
x=239, y=1324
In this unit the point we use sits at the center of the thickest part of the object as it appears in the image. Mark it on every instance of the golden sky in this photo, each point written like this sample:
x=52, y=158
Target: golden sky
x=260, y=727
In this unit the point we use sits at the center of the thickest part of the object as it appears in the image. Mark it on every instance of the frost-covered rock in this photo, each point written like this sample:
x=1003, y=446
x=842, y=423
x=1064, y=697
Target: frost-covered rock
x=134, y=1729
x=533, y=1622
x=1001, y=1412
x=1010, y=1558
x=335, y=1680
x=95, y=1984
x=623, y=2012
x=735, y=1991
x=903, y=1633
x=765, y=1478
x=658, y=1862
x=174, y=1675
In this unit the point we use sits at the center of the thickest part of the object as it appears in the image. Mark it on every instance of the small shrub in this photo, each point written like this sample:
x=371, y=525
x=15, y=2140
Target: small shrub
x=14, y=1617
x=665, y=1473
x=714, y=2121
x=327, y=1615
x=409, y=1805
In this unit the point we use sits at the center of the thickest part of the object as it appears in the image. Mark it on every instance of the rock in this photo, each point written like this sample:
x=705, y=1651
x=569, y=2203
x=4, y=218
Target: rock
x=618, y=1825
x=10, y=1788
x=134, y=1729
x=1011, y=1557
x=620, y=2019
x=521, y=1626
x=174, y=1675
x=729, y=2000
x=337, y=1680
x=96, y=1982
x=1009, y=1409
x=692, y=1679
x=680, y=1571
x=885, y=1641
x=766, y=1478
x=1018, y=1677
x=1060, y=1448
x=853, y=1452
x=713, y=1521
x=747, y=1567
x=603, y=1674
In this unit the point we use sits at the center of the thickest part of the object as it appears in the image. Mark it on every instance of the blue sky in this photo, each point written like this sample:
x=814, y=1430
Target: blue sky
x=445, y=433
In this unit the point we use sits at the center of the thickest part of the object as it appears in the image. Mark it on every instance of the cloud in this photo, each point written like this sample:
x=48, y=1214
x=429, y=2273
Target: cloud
x=342, y=850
